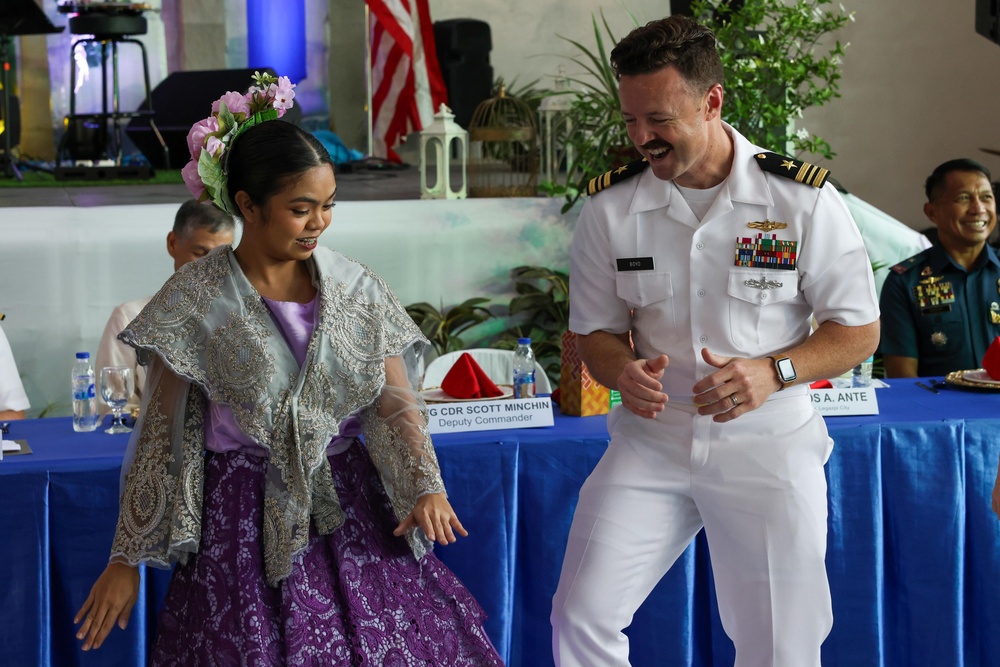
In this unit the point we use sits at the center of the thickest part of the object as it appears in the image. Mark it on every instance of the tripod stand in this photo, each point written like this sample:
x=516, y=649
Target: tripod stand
x=17, y=17
x=10, y=167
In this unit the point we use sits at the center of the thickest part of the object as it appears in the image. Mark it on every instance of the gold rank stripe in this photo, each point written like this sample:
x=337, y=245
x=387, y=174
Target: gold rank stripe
x=609, y=178
x=798, y=171
x=810, y=174
x=598, y=183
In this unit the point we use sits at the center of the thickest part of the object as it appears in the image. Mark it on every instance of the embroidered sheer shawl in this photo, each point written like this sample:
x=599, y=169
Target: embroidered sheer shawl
x=207, y=335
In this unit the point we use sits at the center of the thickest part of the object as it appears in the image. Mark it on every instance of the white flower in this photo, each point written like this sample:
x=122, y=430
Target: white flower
x=802, y=133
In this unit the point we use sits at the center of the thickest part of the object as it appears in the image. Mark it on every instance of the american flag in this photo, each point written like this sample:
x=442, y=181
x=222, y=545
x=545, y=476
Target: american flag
x=407, y=86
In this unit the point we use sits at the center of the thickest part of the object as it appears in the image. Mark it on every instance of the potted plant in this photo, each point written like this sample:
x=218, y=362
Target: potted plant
x=442, y=326
x=777, y=64
x=596, y=132
x=541, y=312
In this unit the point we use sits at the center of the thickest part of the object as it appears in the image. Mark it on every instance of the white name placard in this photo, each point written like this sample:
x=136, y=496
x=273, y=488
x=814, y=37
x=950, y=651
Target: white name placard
x=489, y=415
x=847, y=401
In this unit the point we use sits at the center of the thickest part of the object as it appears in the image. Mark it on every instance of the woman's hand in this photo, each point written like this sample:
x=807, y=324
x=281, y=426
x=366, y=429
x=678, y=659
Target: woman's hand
x=434, y=515
x=111, y=599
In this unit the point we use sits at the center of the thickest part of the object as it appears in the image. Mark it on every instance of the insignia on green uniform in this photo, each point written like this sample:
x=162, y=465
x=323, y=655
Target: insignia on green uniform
x=939, y=339
x=933, y=295
x=617, y=175
x=995, y=313
x=905, y=265
x=803, y=172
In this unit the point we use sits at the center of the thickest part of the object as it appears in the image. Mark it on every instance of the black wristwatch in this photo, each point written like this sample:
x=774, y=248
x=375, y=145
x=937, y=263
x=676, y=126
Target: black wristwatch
x=785, y=369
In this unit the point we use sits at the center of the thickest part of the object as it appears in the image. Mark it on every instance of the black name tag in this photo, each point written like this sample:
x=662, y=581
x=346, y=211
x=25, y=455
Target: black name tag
x=635, y=264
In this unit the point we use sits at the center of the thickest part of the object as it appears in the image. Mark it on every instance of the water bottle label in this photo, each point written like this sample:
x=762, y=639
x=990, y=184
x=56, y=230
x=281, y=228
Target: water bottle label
x=90, y=391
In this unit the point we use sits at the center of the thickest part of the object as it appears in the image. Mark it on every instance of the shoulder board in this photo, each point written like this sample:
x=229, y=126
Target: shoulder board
x=609, y=178
x=803, y=172
x=907, y=264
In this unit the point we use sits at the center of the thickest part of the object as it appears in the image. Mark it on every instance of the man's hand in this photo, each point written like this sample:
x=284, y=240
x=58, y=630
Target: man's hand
x=434, y=515
x=739, y=386
x=640, y=387
x=111, y=599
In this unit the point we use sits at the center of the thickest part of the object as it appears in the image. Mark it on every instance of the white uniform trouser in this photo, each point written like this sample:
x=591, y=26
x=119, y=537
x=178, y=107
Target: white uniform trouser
x=757, y=486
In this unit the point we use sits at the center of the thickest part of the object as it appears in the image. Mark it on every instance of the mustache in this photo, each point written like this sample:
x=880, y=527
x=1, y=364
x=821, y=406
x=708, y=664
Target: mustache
x=653, y=145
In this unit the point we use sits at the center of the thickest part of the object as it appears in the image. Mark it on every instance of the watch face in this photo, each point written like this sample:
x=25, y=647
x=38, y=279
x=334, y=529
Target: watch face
x=786, y=370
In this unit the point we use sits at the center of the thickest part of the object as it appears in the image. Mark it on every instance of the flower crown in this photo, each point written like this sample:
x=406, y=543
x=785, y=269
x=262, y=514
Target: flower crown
x=210, y=141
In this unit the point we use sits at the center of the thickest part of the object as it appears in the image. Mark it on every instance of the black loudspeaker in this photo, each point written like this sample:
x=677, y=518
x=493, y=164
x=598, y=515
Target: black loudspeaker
x=986, y=20
x=682, y=7
x=87, y=137
x=180, y=101
x=463, y=50
x=13, y=124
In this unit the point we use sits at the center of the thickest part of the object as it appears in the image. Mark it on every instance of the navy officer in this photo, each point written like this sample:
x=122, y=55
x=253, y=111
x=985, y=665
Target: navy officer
x=694, y=274
x=941, y=307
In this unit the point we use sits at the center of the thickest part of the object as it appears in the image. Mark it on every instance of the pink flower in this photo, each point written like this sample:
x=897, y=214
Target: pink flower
x=283, y=94
x=196, y=136
x=214, y=146
x=192, y=180
x=236, y=102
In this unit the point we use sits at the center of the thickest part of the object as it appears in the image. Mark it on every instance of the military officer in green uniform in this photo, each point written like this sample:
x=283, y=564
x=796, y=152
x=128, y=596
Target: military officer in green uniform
x=941, y=307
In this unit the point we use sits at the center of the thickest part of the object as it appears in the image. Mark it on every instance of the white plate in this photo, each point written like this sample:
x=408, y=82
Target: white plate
x=438, y=395
x=980, y=376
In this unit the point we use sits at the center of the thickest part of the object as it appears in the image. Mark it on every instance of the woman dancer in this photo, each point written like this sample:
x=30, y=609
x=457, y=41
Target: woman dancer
x=266, y=364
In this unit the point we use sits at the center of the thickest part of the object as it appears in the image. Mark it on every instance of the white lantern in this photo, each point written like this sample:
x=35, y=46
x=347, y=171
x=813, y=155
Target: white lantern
x=554, y=126
x=439, y=135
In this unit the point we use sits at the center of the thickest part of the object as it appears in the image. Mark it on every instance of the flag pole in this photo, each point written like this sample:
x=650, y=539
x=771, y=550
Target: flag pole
x=369, y=161
x=369, y=99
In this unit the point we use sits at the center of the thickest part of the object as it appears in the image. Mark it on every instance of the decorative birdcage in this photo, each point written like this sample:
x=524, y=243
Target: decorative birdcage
x=503, y=149
x=555, y=126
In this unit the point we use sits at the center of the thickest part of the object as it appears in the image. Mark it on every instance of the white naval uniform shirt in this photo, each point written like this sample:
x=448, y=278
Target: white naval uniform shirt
x=694, y=295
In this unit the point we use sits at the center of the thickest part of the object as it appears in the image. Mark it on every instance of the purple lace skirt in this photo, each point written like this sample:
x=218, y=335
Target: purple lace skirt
x=354, y=598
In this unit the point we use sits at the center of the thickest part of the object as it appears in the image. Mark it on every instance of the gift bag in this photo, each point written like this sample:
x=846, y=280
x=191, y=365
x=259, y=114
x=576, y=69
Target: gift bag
x=579, y=393
x=991, y=360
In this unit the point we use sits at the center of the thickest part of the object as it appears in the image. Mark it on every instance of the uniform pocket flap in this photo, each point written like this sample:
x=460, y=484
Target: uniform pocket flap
x=642, y=288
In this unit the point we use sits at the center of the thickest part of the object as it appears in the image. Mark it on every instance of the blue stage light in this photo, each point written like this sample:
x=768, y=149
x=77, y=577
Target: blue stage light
x=276, y=37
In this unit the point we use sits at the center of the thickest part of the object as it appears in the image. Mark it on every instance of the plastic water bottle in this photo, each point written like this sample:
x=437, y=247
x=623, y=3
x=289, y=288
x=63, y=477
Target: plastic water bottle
x=84, y=396
x=862, y=374
x=524, y=369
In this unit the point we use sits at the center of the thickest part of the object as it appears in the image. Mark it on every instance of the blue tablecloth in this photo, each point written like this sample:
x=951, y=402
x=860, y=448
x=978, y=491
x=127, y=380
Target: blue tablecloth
x=913, y=556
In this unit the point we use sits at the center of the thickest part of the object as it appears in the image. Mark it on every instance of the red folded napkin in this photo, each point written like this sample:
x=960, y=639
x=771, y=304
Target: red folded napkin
x=466, y=379
x=821, y=384
x=991, y=360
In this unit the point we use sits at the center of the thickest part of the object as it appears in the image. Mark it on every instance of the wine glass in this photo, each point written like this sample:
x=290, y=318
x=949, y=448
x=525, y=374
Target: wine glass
x=117, y=385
